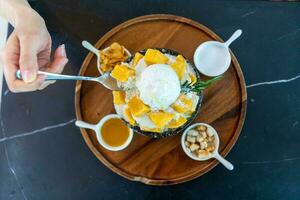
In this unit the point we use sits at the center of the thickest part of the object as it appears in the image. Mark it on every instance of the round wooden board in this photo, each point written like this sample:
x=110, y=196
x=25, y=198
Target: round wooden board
x=162, y=162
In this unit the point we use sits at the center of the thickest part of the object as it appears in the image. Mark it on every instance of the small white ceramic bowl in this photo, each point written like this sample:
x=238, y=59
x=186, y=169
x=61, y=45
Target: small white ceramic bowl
x=215, y=154
x=213, y=58
x=93, y=49
x=97, y=129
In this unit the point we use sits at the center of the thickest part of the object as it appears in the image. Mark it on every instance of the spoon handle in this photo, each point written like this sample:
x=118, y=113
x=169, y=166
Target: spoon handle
x=90, y=47
x=224, y=162
x=53, y=76
x=83, y=124
x=234, y=36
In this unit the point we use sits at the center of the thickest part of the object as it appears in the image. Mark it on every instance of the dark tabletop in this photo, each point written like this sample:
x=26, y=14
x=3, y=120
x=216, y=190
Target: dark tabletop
x=43, y=155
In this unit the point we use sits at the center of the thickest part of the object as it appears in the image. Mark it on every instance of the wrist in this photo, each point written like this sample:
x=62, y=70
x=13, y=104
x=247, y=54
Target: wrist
x=26, y=15
x=11, y=9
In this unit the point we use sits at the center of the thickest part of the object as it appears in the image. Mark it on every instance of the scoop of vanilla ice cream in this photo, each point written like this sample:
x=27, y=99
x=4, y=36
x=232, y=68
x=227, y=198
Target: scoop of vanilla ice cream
x=159, y=86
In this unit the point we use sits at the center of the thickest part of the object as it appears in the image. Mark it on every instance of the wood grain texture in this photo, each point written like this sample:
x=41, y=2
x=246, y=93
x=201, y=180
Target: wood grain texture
x=162, y=162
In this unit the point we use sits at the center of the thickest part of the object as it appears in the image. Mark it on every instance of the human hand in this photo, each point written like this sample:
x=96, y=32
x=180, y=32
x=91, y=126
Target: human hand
x=28, y=48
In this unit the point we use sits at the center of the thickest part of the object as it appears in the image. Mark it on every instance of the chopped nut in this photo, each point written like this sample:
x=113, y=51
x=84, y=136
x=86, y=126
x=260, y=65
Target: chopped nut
x=201, y=128
x=210, y=148
x=193, y=133
x=191, y=139
x=210, y=132
x=187, y=143
x=203, y=133
x=194, y=147
x=210, y=143
x=203, y=145
x=210, y=139
x=199, y=138
x=200, y=141
x=202, y=153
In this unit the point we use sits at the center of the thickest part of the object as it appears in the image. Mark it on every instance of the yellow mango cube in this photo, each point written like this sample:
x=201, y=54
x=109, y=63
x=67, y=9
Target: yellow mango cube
x=179, y=66
x=154, y=56
x=161, y=119
x=183, y=104
x=179, y=108
x=118, y=97
x=193, y=79
x=129, y=117
x=137, y=107
x=177, y=123
x=186, y=101
x=122, y=73
x=137, y=58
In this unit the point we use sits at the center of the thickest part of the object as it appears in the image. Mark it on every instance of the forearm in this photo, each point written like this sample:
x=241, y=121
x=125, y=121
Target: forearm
x=14, y=10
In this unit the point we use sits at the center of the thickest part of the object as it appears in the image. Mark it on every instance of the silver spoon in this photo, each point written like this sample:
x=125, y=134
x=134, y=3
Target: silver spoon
x=106, y=80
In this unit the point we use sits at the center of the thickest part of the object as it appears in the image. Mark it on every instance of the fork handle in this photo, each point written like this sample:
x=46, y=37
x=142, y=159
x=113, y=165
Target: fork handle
x=52, y=76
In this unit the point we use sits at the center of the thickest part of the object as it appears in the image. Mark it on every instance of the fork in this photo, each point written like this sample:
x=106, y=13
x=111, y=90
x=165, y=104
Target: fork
x=105, y=79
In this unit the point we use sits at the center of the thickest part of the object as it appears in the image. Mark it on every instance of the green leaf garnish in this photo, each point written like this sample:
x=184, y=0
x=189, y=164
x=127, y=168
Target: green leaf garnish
x=199, y=86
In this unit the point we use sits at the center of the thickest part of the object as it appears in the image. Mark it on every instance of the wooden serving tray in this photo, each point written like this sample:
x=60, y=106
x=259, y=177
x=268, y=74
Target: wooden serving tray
x=162, y=162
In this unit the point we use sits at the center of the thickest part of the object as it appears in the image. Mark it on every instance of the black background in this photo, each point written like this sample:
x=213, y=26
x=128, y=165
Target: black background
x=57, y=164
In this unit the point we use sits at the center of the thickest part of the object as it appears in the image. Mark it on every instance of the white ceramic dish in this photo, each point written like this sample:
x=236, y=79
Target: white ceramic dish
x=97, y=129
x=215, y=154
x=93, y=49
x=213, y=58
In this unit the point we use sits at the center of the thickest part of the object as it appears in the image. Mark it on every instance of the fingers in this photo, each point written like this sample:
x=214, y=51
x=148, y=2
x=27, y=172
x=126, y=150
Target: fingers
x=20, y=86
x=46, y=84
x=57, y=65
x=11, y=57
x=16, y=85
x=59, y=61
x=28, y=59
x=15, y=56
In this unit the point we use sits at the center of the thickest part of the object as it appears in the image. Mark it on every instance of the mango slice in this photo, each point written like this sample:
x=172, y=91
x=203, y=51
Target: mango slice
x=187, y=102
x=118, y=97
x=129, y=117
x=161, y=119
x=122, y=73
x=137, y=107
x=137, y=58
x=179, y=66
x=193, y=79
x=154, y=56
x=183, y=104
x=177, y=123
x=179, y=108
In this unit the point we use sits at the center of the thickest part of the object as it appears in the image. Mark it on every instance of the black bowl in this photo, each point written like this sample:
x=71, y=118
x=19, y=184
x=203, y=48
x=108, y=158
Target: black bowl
x=170, y=132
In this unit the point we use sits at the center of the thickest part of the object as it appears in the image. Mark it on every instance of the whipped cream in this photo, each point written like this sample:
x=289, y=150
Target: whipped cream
x=159, y=86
